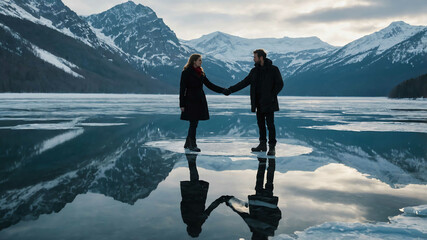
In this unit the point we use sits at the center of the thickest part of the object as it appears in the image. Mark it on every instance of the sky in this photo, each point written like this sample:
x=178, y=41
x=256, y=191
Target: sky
x=336, y=22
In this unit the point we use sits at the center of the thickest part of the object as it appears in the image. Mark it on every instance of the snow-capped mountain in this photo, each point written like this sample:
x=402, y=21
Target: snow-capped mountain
x=53, y=14
x=371, y=45
x=148, y=43
x=287, y=53
x=138, y=31
x=380, y=41
x=46, y=47
x=130, y=39
x=233, y=48
x=369, y=66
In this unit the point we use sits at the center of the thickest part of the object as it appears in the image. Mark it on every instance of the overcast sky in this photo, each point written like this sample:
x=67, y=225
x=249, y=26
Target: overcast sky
x=336, y=22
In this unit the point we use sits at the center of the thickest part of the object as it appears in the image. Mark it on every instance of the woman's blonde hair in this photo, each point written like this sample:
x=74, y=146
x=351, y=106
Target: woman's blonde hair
x=193, y=58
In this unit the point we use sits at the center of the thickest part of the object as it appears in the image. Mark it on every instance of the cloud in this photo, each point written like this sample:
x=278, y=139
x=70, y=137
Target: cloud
x=88, y=7
x=334, y=21
x=376, y=9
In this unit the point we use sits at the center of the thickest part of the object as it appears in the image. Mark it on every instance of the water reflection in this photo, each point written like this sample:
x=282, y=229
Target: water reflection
x=194, y=193
x=261, y=214
x=126, y=176
x=49, y=177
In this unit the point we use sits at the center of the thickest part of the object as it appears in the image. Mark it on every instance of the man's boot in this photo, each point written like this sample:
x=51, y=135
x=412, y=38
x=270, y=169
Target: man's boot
x=193, y=146
x=262, y=147
x=187, y=143
x=272, y=150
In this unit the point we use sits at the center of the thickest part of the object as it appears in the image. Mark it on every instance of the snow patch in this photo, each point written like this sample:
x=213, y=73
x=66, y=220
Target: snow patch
x=56, y=61
x=106, y=39
x=171, y=42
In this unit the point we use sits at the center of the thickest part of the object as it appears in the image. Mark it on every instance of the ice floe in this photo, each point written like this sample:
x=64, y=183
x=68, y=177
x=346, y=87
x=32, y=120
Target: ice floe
x=405, y=226
x=237, y=149
x=46, y=126
x=69, y=125
x=101, y=124
x=375, y=127
x=417, y=211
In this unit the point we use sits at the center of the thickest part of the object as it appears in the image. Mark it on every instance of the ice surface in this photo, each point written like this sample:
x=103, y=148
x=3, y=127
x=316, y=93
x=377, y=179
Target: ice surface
x=375, y=127
x=418, y=210
x=233, y=147
x=323, y=109
x=74, y=124
x=101, y=124
x=337, y=177
x=404, y=226
x=47, y=126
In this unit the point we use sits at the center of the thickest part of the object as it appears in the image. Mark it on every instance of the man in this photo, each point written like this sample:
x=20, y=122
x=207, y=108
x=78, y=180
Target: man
x=261, y=213
x=266, y=83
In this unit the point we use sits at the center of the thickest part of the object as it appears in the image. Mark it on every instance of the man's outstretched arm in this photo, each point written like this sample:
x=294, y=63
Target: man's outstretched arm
x=242, y=84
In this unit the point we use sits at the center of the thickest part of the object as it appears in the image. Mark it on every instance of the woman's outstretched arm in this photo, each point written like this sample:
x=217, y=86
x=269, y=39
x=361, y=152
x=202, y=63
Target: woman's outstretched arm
x=212, y=86
x=216, y=203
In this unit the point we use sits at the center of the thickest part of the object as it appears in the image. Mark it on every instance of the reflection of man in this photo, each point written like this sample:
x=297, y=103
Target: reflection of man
x=266, y=83
x=263, y=215
x=194, y=193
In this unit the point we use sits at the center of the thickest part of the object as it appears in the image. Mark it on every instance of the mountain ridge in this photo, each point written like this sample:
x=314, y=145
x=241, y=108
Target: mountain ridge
x=135, y=34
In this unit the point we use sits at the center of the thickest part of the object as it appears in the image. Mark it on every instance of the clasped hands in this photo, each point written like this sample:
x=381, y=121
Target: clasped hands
x=226, y=91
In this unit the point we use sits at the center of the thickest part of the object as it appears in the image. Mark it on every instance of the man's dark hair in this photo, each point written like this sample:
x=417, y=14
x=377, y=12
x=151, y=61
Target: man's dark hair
x=260, y=53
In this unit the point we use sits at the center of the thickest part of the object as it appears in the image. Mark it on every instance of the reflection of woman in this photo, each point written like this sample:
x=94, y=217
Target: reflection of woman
x=263, y=215
x=194, y=193
x=192, y=99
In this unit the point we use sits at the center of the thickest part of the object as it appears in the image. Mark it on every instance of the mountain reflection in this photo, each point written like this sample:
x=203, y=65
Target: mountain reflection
x=127, y=177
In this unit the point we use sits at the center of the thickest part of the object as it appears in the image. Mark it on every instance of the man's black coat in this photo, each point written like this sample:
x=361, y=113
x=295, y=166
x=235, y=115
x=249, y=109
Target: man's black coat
x=192, y=97
x=267, y=82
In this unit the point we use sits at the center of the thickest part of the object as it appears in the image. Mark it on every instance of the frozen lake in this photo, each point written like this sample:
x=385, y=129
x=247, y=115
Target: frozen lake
x=105, y=166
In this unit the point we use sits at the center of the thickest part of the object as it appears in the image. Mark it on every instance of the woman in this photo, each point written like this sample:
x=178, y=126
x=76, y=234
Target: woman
x=192, y=99
x=194, y=193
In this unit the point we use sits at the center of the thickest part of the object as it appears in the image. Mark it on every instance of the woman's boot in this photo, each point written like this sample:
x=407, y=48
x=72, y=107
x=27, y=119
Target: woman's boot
x=193, y=146
x=187, y=143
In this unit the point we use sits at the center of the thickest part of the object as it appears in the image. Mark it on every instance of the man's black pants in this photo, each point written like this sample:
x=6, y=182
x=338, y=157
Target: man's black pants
x=262, y=118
